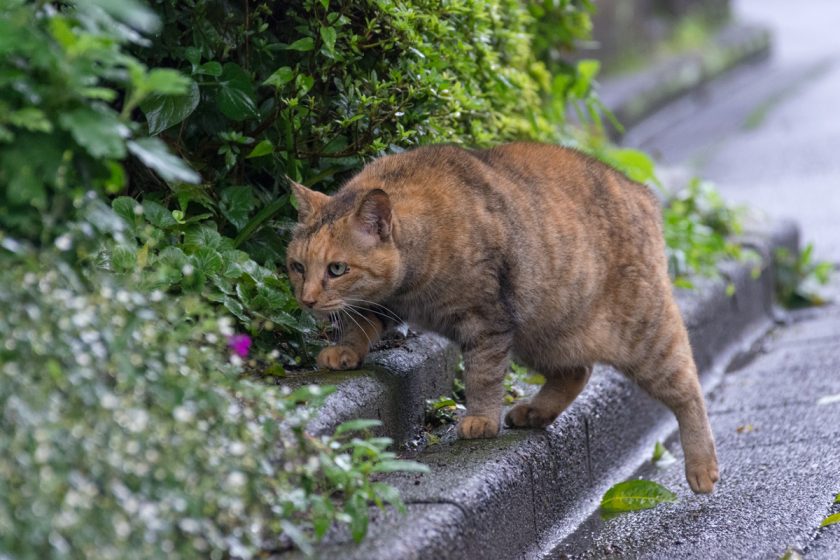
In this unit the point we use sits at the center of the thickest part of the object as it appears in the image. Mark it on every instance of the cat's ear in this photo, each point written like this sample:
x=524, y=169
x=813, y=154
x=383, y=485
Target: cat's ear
x=373, y=217
x=309, y=202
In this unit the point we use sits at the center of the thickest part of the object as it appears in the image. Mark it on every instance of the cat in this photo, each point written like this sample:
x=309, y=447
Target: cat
x=527, y=250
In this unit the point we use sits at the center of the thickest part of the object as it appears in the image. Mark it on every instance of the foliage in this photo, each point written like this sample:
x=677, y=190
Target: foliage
x=662, y=458
x=164, y=250
x=128, y=433
x=62, y=75
x=698, y=227
x=441, y=411
x=797, y=276
x=634, y=495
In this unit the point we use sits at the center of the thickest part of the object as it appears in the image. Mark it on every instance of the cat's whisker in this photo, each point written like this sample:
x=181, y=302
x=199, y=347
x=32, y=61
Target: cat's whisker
x=388, y=312
x=370, y=342
x=358, y=311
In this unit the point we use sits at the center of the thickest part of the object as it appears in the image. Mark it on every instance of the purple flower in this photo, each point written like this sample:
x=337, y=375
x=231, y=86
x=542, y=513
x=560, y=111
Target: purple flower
x=240, y=344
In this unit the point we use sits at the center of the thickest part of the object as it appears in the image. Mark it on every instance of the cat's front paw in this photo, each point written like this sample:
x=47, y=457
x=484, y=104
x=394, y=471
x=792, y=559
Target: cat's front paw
x=473, y=427
x=338, y=357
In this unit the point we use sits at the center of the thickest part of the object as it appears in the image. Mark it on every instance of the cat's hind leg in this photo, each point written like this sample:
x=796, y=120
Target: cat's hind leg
x=560, y=389
x=668, y=374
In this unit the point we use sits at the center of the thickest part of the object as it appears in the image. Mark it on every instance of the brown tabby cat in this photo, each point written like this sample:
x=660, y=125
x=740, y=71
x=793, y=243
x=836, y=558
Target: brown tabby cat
x=529, y=250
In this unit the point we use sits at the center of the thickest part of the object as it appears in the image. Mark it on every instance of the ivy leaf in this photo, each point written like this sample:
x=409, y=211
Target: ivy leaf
x=236, y=204
x=280, y=77
x=154, y=153
x=634, y=495
x=99, y=132
x=302, y=45
x=164, y=111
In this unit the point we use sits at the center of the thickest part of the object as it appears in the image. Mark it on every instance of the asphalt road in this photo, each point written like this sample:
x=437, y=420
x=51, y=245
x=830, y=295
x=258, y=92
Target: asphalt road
x=769, y=135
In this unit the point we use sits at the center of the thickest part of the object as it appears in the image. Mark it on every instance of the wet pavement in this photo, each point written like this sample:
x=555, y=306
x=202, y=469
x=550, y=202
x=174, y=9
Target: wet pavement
x=777, y=426
x=769, y=134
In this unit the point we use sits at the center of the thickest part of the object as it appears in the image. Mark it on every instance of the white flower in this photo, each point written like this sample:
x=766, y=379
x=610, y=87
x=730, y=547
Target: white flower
x=183, y=413
x=236, y=479
x=187, y=269
x=64, y=242
x=138, y=210
x=226, y=326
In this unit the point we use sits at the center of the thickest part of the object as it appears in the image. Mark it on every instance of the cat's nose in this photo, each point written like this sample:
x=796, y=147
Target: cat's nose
x=307, y=302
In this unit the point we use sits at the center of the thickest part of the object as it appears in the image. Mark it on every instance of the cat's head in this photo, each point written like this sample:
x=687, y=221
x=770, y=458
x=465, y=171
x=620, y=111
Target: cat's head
x=343, y=251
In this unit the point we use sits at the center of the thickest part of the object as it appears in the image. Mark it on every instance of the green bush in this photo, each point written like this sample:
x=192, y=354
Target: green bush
x=63, y=75
x=129, y=431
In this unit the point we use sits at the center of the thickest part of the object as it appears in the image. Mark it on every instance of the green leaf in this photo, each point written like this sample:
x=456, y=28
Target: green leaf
x=389, y=494
x=154, y=153
x=208, y=261
x=280, y=77
x=298, y=536
x=831, y=520
x=356, y=425
x=166, y=81
x=164, y=111
x=235, y=104
x=398, y=465
x=265, y=147
x=837, y=499
x=328, y=35
x=357, y=507
x=211, y=68
x=30, y=118
x=99, y=132
x=123, y=258
x=158, y=215
x=662, y=458
x=124, y=206
x=132, y=12
x=634, y=495
x=236, y=204
x=235, y=95
x=202, y=236
x=303, y=45
x=304, y=83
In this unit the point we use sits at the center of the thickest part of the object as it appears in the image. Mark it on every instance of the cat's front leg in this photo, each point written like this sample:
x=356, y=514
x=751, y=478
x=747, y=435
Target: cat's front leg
x=359, y=331
x=485, y=363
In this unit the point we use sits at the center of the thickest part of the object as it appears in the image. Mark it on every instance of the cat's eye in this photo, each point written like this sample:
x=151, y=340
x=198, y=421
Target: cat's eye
x=337, y=269
x=298, y=267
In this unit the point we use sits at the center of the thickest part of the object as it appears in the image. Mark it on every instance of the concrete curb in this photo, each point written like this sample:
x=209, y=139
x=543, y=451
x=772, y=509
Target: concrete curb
x=632, y=98
x=392, y=388
x=519, y=495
